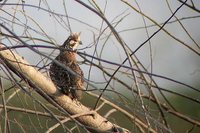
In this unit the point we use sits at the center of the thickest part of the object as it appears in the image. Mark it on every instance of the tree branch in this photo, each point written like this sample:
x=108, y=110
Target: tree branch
x=94, y=122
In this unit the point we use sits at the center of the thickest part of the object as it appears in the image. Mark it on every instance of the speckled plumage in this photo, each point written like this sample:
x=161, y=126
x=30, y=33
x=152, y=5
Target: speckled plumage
x=70, y=84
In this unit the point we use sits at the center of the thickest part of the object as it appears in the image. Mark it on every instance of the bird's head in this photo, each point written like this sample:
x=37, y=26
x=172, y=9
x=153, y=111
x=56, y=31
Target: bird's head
x=73, y=41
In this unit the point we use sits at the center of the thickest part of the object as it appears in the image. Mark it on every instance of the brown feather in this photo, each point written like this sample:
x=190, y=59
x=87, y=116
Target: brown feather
x=72, y=85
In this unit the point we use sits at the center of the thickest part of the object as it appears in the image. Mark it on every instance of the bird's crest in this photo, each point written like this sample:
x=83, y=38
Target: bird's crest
x=73, y=41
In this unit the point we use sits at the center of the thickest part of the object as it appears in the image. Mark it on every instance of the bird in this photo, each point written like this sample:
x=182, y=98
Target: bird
x=71, y=84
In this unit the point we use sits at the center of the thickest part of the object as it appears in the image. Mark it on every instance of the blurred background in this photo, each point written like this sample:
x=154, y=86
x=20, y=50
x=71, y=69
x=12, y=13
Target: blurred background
x=167, y=62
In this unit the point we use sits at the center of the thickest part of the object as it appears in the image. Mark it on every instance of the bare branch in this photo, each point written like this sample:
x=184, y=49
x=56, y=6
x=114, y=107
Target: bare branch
x=93, y=122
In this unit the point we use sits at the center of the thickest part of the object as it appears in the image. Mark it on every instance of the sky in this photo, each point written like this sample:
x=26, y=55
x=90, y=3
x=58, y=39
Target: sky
x=169, y=57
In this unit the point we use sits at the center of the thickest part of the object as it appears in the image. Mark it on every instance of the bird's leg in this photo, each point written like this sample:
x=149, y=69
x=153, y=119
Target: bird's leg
x=73, y=95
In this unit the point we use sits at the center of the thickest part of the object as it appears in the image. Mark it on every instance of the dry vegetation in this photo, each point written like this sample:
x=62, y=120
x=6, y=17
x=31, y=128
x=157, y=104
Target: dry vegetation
x=123, y=94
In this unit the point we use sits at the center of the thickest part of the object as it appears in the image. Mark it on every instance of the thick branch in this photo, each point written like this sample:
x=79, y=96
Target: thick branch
x=94, y=122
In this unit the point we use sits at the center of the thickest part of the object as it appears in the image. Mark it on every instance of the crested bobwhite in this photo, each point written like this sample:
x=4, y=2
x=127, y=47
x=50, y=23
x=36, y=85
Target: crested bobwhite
x=70, y=84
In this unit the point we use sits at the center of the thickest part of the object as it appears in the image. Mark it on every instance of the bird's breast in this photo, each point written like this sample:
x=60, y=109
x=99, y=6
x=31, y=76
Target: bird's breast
x=68, y=56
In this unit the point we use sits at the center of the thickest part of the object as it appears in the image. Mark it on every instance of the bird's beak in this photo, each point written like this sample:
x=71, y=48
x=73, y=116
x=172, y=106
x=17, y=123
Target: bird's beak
x=80, y=43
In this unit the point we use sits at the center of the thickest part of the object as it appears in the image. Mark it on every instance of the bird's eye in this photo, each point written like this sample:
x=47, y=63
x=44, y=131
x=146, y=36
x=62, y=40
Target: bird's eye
x=72, y=42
